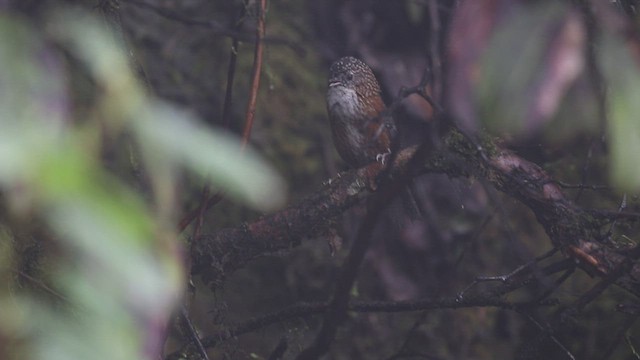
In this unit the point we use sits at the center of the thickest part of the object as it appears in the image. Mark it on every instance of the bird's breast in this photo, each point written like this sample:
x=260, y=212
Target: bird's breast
x=347, y=124
x=343, y=104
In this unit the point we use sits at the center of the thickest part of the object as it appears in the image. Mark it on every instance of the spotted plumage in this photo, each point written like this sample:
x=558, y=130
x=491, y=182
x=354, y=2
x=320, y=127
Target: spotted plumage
x=360, y=133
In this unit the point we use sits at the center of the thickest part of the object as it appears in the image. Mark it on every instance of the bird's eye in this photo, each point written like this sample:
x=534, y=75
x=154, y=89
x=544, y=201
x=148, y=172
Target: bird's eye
x=349, y=76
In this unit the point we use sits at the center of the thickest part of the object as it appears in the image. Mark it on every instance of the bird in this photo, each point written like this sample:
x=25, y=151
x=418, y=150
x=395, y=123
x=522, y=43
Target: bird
x=362, y=130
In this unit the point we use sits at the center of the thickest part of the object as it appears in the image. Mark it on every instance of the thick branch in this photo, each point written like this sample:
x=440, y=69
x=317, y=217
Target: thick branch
x=230, y=249
x=569, y=227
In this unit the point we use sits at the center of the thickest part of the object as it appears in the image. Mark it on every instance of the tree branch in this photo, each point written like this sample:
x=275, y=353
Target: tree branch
x=256, y=71
x=572, y=229
x=215, y=27
x=302, y=310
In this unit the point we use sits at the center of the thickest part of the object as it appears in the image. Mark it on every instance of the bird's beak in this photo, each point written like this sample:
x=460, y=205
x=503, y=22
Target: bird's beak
x=334, y=83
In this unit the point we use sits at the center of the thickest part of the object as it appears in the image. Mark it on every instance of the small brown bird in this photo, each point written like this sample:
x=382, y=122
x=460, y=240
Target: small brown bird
x=361, y=133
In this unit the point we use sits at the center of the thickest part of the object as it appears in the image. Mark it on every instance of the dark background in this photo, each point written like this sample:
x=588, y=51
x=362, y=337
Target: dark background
x=466, y=228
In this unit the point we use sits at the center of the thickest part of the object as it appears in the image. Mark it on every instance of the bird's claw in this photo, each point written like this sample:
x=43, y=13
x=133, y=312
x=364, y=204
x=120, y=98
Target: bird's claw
x=382, y=158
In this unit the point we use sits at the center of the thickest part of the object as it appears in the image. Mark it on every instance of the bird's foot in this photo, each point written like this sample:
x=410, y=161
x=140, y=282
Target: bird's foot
x=382, y=158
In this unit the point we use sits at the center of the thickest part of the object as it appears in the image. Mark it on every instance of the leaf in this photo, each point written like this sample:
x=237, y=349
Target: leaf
x=32, y=84
x=113, y=266
x=622, y=73
x=169, y=137
x=33, y=99
x=513, y=63
x=168, y=133
x=105, y=57
x=533, y=58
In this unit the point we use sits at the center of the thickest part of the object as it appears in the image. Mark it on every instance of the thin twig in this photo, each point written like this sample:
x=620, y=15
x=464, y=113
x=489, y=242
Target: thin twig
x=627, y=339
x=279, y=351
x=620, y=334
x=509, y=284
x=525, y=268
x=404, y=348
x=184, y=314
x=623, y=205
x=231, y=72
x=548, y=332
x=565, y=185
x=40, y=284
x=476, y=235
x=556, y=284
x=303, y=310
x=255, y=74
x=202, y=209
x=215, y=27
x=620, y=270
x=187, y=219
x=207, y=201
x=609, y=214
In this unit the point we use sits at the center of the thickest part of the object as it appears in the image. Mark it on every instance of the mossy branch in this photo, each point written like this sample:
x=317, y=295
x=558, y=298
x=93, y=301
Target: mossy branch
x=575, y=230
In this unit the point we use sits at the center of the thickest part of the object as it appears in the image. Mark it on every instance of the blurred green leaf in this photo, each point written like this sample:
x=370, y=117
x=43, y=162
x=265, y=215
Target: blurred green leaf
x=415, y=11
x=32, y=84
x=621, y=71
x=120, y=278
x=169, y=134
x=33, y=99
x=105, y=57
x=534, y=57
x=74, y=182
x=122, y=273
x=165, y=133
